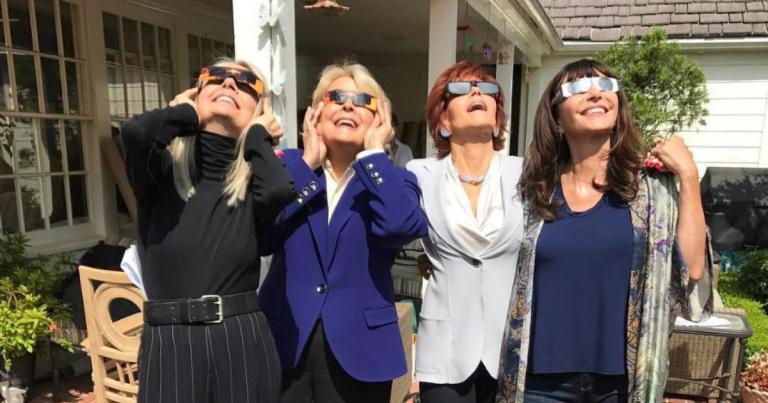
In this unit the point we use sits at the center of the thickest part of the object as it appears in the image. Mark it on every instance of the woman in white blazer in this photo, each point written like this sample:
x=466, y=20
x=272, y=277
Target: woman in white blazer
x=475, y=231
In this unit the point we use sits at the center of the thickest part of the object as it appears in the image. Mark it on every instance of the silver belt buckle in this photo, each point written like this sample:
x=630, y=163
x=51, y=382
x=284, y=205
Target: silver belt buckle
x=219, y=312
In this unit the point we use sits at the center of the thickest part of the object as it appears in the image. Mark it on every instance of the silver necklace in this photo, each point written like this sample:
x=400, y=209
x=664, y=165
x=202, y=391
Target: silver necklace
x=471, y=179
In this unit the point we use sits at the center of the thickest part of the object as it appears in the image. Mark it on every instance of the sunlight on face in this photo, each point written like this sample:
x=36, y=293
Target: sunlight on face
x=225, y=107
x=592, y=112
x=344, y=124
x=471, y=113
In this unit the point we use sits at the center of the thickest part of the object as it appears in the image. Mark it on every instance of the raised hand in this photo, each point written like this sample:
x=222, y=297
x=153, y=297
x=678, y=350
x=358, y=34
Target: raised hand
x=675, y=156
x=186, y=97
x=264, y=116
x=314, y=147
x=380, y=131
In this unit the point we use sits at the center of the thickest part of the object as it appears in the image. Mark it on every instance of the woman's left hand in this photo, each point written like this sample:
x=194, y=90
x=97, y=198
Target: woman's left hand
x=264, y=116
x=380, y=131
x=675, y=156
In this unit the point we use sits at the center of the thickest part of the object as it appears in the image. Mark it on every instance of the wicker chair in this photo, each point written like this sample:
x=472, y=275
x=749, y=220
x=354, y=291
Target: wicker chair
x=112, y=345
x=700, y=357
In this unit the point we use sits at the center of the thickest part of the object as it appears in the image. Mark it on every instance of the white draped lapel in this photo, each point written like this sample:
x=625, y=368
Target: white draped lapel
x=433, y=195
x=510, y=173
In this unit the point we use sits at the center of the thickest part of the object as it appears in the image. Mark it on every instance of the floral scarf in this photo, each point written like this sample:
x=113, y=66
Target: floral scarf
x=658, y=285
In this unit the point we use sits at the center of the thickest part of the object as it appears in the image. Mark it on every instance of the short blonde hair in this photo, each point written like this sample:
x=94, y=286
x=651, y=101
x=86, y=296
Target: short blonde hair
x=182, y=151
x=357, y=72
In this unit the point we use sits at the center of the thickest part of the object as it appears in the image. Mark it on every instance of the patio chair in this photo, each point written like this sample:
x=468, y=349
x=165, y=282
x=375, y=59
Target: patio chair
x=112, y=345
x=693, y=356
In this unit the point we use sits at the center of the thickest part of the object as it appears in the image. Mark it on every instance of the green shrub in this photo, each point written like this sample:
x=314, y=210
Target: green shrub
x=23, y=321
x=666, y=90
x=29, y=304
x=734, y=297
x=752, y=276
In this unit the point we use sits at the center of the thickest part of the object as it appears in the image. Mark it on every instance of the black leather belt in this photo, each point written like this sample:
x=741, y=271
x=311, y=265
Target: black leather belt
x=208, y=309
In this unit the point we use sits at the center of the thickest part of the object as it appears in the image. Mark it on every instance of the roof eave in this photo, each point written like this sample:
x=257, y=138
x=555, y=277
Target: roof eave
x=540, y=16
x=693, y=44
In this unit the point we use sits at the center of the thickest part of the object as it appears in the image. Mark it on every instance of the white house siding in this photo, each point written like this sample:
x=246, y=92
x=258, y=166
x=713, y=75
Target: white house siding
x=736, y=130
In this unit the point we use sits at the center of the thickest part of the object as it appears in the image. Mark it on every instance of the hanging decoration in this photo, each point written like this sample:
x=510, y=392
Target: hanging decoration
x=502, y=56
x=327, y=7
x=267, y=20
x=267, y=16
x=487, y=49
x=465, y=29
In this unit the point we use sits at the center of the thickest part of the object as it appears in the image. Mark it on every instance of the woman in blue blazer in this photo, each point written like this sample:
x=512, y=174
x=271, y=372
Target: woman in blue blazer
x=328, y=295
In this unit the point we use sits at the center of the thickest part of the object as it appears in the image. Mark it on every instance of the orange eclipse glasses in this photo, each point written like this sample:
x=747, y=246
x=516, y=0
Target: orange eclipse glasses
x=245, y=80
x=361, y=99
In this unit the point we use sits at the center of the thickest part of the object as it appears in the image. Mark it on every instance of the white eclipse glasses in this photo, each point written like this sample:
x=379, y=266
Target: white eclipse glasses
x=583, y=84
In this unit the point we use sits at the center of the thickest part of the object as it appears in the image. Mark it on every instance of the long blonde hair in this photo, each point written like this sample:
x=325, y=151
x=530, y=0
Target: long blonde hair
x=182, y=151
x=357, y=72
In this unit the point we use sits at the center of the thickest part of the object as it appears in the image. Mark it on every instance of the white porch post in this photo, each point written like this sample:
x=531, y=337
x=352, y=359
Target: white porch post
x=443, y=15
x=272, y=48
x=505, y=77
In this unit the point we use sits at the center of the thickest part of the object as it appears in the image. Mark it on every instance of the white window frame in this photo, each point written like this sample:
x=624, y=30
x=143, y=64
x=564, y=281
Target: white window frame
x=62, y=235
x=123, y=67
x=201, y=54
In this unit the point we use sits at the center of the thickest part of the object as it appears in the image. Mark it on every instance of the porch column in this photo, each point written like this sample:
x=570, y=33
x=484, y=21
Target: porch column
x=504, y=75
x=265, y=36
x=443, y=15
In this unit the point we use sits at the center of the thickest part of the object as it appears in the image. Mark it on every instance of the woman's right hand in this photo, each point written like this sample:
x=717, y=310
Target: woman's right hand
x=314, y=147
x=186, y=97
x=425, y=266
x=264, y=116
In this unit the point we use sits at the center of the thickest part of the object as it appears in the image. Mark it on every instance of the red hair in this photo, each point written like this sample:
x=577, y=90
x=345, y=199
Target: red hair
x=438, y=99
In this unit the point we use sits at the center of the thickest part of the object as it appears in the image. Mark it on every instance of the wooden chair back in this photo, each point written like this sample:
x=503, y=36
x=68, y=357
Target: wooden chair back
x=113, y=345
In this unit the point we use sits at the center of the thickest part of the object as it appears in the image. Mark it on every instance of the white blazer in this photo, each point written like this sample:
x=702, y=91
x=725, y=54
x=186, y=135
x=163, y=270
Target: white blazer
x=465, y=305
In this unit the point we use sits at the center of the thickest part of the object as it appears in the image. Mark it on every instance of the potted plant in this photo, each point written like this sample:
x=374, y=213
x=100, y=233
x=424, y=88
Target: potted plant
x=754, y=379
x=23, y=321
x=29, y=307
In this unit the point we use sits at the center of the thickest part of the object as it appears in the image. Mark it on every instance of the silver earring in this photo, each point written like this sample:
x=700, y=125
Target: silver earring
x=496, y=132
x=445, y=133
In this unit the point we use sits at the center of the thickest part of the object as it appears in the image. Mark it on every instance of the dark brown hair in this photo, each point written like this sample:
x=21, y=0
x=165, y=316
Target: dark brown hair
x=438, y=99
x=549, y=157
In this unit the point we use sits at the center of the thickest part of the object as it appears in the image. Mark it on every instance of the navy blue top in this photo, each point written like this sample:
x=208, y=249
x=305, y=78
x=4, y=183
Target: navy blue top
x=580, y=289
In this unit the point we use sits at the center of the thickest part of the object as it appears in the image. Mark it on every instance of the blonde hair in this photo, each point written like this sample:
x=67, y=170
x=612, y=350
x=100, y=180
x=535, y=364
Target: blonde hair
x=357, y=72
x=182, y=151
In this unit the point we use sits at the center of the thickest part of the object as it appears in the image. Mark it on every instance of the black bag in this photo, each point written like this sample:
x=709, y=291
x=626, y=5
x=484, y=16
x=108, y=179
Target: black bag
x=100, y=256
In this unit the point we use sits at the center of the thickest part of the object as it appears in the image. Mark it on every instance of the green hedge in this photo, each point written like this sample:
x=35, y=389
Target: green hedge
x=733, y=297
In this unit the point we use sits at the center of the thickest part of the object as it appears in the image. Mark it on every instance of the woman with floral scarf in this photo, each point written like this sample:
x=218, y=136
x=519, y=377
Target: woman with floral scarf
x=611, y=251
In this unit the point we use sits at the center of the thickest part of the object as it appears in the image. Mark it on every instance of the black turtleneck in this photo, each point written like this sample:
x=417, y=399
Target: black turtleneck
x=214, y=155
x=201, y=246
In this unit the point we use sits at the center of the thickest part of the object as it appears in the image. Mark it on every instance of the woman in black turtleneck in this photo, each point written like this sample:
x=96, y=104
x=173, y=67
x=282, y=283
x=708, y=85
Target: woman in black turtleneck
x=207, y=181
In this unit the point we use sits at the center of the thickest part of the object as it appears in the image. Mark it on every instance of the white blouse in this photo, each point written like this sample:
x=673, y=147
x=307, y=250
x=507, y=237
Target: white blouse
x=475, y=231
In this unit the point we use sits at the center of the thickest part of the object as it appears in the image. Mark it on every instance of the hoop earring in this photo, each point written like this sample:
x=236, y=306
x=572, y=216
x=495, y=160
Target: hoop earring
x=444, y=133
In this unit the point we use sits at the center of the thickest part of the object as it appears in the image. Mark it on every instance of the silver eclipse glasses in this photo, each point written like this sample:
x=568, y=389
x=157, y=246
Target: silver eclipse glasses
x=583, y=84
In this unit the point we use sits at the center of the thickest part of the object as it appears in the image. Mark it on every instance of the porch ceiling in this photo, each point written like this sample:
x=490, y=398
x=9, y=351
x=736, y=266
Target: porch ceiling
x=381, y=28
x=370, y=27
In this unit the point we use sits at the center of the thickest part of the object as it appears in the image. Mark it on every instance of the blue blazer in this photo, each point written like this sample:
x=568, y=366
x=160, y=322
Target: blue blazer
x=340, y=271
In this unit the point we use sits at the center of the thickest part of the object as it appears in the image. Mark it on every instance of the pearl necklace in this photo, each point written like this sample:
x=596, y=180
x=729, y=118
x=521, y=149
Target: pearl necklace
x=472, y=180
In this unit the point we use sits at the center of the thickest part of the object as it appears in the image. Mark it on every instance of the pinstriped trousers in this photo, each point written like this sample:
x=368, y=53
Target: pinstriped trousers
x=231, y=362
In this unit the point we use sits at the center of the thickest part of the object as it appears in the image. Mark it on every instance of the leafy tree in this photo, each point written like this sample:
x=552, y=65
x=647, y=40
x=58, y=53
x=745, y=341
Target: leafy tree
x=666, y=90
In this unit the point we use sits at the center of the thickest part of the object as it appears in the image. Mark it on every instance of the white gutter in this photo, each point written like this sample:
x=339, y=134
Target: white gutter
x=714, y=44
x=540, y=16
